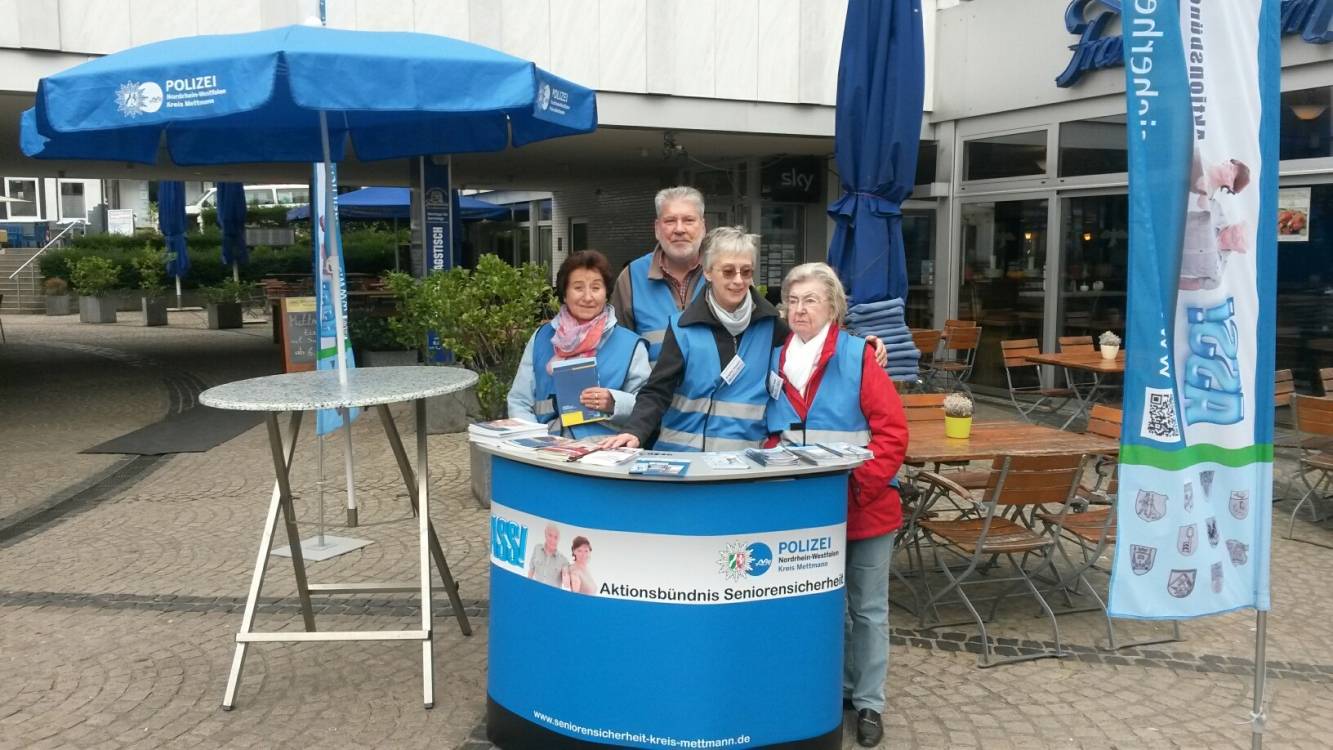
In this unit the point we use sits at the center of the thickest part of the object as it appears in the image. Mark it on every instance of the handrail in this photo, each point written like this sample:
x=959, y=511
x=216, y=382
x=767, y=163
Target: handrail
x=70, y=225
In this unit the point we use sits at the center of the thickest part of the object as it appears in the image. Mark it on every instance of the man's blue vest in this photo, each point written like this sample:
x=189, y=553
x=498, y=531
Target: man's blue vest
x=708, y=414
x=835, y=416
x=654, y=304
x=613, y=359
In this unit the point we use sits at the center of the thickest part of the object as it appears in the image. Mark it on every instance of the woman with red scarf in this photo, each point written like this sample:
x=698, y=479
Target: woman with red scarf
x=584, y=327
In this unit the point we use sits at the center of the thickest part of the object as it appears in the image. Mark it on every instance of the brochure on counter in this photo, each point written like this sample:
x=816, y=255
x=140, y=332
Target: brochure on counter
x=503, y=429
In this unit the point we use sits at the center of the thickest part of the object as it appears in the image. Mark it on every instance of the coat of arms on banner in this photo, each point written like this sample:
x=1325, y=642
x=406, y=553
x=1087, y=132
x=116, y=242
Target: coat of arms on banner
x=1206, y=482
x=1180, y=583
x=1239, y=552
x=1151, y=506
x=1189, y=497
x=1211, y=526
x=1239, y=504
x=1217, y=578
x=1141, y=558
x=1187, y=539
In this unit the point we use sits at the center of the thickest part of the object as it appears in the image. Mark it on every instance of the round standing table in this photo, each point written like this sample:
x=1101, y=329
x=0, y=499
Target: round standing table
x=298, y=393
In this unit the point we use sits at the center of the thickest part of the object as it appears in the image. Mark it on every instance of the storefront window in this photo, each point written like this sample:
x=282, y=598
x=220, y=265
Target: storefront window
x=919, y=247
x=995, y=157
x=1305, y=281
x=1004, y=265
x=927, y=157
x=72, y=205
x=781, y=248
x=1095, y=146
x=24, y=193
x=1304, y=131
x=1095, y=242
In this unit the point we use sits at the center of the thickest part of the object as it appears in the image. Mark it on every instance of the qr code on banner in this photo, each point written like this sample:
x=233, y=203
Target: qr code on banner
x=1159, y=415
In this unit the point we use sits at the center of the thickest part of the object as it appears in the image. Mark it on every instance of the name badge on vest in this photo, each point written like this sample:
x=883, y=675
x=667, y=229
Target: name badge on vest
x=774, y=385
x=733, y=369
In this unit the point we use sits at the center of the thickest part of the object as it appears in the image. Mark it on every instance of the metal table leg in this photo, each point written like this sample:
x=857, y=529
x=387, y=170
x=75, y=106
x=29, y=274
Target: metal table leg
x=436, y=550
x=282, y=448
x=423, y=544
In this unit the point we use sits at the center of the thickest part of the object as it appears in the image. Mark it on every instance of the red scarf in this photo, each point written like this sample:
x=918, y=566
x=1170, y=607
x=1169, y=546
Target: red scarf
x=574, y=338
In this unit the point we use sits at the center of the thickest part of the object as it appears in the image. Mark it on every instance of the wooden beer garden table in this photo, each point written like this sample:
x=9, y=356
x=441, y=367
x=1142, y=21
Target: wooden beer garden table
x=927, y=444
x=1092, y=362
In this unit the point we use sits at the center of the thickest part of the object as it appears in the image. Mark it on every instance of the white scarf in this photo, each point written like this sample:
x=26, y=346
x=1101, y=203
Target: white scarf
x=802, y=356
x=735, y=322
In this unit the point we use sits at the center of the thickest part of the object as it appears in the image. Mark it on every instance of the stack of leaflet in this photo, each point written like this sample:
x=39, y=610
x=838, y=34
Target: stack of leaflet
x=885, y=320
x=505, y=429
x=771, y=456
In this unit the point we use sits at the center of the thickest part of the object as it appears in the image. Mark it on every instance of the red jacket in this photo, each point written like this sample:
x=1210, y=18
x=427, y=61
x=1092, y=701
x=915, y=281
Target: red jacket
x=873, y=507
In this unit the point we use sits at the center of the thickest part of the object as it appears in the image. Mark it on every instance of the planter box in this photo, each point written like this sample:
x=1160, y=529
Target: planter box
x=374, y=358
x=97, y=310
x=154, y=311
x=224, y=315
x=480, y=463
x=60, y=305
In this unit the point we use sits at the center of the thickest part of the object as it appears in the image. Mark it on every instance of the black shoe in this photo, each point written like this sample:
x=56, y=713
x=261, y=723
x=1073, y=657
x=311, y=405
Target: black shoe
x=869, y=729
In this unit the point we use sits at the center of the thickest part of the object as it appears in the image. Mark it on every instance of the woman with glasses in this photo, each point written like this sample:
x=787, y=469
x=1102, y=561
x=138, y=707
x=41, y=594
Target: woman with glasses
x=833, y=391
x=709, y=388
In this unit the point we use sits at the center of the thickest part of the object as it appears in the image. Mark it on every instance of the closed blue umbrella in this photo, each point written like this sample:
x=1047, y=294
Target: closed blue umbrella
x=231, y=220
x=881, y=83
x=171, y=223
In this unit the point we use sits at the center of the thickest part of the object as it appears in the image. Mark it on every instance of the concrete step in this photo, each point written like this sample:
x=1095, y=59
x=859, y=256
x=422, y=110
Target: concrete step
x=23, y=293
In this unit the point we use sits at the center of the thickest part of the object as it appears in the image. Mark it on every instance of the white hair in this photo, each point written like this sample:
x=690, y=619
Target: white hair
x=679, y=193
x=824, y=274
x=729, y=241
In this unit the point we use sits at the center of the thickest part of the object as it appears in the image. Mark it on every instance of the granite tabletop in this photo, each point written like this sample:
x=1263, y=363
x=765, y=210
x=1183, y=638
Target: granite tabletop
x=368, y=386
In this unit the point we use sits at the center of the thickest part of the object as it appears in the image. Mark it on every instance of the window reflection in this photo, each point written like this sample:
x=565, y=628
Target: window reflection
x=1304, y=132
x=919, y=249
x=1095, y=146
x=1096, y=264
x=1014, y=155
x=1305, y=293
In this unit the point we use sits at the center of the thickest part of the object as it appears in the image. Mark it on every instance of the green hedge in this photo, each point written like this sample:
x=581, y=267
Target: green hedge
x=368, y=252
x=255, y=216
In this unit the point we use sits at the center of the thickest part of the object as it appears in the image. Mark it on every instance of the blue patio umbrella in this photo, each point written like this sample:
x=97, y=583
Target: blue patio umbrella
x=396, y=203
x=231, y=220
x=300, y=94
x=881, y=83
x=171, y=222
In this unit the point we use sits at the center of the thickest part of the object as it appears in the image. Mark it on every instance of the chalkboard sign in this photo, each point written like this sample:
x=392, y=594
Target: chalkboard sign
x=300, y=334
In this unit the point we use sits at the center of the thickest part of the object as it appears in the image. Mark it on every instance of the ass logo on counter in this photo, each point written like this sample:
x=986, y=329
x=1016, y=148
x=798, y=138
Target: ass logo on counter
x=738, y=560
x=509, y=541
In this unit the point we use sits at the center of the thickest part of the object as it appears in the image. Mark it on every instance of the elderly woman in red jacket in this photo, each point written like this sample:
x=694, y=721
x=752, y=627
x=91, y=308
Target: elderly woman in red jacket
x=833, y=391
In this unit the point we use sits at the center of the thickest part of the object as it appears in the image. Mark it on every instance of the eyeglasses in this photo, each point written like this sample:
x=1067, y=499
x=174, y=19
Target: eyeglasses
x=688, y=222
x=732, y=272
x=801, y=303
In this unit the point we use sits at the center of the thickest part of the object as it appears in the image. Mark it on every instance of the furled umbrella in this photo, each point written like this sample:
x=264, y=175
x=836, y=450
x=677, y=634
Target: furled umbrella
x=881, y=83
x=231, y=220
x=171, y=222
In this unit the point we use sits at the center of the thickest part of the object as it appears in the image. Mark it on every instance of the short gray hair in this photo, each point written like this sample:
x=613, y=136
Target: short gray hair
x=824, y=274
x=728, y=241
x=679, y=193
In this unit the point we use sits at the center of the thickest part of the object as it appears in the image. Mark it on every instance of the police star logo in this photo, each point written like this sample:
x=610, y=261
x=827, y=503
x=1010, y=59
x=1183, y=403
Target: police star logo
x=1180, y=583
x=1141, y=558
x=1151, y=506
x=127, y=99
x=733, y=562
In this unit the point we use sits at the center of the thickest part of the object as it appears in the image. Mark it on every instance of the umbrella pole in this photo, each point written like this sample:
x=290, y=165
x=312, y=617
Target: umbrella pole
x=235, y=272
x=330, y=226
x=347, y=460
x=178, y=293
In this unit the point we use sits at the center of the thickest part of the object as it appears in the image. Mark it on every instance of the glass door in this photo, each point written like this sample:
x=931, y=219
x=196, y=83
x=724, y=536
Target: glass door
x=781, y=244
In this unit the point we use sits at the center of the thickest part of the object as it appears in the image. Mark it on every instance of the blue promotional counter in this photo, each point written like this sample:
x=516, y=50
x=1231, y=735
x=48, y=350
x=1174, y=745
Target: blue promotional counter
x=693, y=612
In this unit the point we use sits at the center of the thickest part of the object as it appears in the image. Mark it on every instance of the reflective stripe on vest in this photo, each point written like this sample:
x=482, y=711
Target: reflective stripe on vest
x=613, y=359
x=732, y=416
x=835, y=416
x=654, y=304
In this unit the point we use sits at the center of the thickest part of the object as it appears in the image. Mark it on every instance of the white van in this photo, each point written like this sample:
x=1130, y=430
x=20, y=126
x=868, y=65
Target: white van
x=257, y=195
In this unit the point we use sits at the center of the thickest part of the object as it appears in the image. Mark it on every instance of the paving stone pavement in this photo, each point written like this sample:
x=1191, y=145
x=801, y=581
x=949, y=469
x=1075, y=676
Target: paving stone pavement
x=121, y=591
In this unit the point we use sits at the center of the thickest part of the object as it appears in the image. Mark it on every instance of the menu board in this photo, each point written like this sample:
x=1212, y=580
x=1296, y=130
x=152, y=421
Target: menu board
x=300, y=334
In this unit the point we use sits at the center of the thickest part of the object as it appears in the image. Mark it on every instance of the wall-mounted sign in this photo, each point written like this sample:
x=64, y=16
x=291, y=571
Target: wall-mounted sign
x=794, y=179
x=1293, y=214
x=120, y=221
x=1096, y=50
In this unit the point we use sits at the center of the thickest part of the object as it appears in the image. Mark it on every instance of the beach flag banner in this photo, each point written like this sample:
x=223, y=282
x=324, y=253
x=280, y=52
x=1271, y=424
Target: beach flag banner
x=1196, y=461
x=329, y=278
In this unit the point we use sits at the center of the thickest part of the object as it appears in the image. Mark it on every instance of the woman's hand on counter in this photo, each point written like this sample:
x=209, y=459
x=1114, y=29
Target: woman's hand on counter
x=623, y=440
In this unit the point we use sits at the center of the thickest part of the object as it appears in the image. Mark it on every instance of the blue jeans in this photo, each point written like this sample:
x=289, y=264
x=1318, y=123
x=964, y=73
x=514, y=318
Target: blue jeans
x=866, y=647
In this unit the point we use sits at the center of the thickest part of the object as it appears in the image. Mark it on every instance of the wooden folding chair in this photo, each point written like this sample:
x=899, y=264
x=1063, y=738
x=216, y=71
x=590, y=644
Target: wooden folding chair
x=926, y=341
x=1015, y=353
x=1092, y=528
x=1017, y=487
x=957, y=355
x=1326, y=380
x=1314, y=417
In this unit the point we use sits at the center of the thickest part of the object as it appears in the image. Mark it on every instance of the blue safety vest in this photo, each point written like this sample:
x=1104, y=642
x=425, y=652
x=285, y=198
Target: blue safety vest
x=654, y=304
x=835, y=416
x=613, y=359
x=706, y=412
